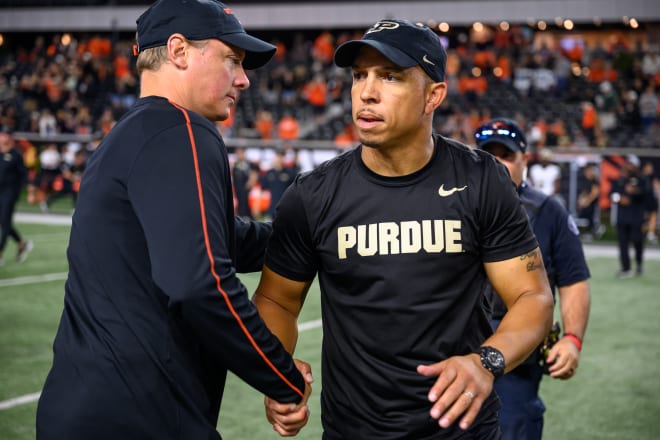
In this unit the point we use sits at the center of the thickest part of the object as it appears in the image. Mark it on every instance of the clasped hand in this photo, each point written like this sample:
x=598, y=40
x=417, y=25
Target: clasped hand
x=289, y=418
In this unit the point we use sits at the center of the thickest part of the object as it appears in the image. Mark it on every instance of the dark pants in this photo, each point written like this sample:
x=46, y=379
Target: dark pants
x=589, y=213
x=8, y=200
x=521, y=414
x=626, y=234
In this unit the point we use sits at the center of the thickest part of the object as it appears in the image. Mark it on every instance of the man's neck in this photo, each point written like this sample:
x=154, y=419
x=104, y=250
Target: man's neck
x=398, y=161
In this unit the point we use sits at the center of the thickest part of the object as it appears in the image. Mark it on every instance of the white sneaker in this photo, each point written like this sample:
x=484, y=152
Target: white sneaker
x=625, y=274
x=24, y=251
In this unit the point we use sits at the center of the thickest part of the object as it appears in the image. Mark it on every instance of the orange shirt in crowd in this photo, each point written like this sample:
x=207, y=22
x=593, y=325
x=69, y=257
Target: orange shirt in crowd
x=324, y=47
x=288, y=128
x=316, y=92
x=469, y=83
x=504, y=65
x=264, y=124
x=99, y=47
x=280, y=51
x=484, y=59
x=589, y=116
x=122, y=66
x=347, y=137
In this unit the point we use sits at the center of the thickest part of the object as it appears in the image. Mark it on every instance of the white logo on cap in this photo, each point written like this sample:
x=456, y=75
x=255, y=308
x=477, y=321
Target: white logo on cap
x=383, y=26
x=425, y=58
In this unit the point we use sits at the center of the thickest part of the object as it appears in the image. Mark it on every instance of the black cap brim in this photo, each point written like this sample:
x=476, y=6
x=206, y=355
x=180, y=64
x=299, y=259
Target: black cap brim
x=346, y=53
x=509, y=143
x=257, y=52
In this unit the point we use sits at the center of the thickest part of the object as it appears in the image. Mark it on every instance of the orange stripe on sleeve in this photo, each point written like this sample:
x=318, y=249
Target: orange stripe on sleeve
x=212, y=261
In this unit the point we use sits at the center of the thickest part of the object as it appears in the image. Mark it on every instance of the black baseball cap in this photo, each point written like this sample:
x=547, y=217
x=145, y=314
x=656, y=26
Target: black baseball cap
x=402, y=42
x=199, y=20
x=501, y=131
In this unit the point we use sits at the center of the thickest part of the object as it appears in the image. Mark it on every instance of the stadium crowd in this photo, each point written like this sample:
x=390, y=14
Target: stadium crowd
x=564, y=90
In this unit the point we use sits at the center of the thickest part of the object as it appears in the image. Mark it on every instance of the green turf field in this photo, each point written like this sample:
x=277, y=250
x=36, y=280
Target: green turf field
x=615, y=395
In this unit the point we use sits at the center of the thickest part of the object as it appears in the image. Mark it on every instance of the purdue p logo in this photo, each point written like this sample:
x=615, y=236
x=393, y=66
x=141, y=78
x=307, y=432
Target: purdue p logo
x=383, y=26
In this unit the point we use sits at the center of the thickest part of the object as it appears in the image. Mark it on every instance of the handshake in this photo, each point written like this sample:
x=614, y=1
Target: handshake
x=289, y=418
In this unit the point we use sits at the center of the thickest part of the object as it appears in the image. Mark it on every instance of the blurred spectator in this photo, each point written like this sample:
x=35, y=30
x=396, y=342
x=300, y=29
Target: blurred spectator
x=316, y=93
x=324, y=47
x=651, y=63
x=264, y=124
x=587, y=202
x=557, y=135
x=47, y=123
x=607, y=105
x=71, y=175
x=544, y=175
x=246, y=175
x=538, y=133
x=629, y=192
x=288, y=127
x=653, y=194
x=562, y=70
x=12, y=179
x=589, y=122
x=276, y=180
x=50, y=161
x=648, y=107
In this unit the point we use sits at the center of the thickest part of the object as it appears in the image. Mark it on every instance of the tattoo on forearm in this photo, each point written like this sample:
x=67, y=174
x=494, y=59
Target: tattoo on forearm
x=535, y=262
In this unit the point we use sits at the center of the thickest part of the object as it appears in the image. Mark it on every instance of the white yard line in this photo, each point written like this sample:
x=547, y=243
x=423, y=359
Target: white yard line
x=33, y=279
x=17, y=401
x=42, y=219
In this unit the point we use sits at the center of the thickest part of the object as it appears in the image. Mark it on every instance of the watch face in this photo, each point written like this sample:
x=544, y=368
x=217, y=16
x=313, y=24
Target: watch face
x=495, y=358
x=492, y=360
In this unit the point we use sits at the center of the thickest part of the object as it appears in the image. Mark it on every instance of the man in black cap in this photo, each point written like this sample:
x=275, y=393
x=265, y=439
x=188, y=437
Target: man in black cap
x=629, y=192
x=12, y=178
x=521, y=415
x=154, y=314
x=403, y=232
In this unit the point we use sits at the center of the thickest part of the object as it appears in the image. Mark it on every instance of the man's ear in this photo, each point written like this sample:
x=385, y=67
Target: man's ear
x=436, y=94
x=177, y=50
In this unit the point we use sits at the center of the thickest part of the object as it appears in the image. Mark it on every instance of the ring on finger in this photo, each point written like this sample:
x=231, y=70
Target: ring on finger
x=469, y=395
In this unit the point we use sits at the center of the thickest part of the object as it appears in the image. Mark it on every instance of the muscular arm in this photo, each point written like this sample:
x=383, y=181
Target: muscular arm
x=522, y=284
x=279, y=301
x=575, y=302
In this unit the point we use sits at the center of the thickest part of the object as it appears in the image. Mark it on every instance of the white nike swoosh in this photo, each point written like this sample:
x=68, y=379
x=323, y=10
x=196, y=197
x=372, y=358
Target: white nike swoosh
x=442, y=192
x=426, y=60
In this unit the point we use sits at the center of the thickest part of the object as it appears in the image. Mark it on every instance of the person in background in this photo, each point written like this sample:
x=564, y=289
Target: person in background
x=12, y=178
x=276, y=180
x=71, y=177
x=587, y=202
x=402, y=232
x=154, y=313
x=246, y=175
x=653, y=184
x=544, y=175
x=630, y=193
x=521, y=415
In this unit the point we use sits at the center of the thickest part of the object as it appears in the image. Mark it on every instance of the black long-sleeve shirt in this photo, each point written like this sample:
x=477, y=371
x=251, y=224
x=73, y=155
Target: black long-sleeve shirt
x=12, y=171
x=154, y=314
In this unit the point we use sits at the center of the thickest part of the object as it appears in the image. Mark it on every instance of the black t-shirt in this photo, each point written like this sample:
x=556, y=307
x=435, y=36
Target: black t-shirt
x=400, y=265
